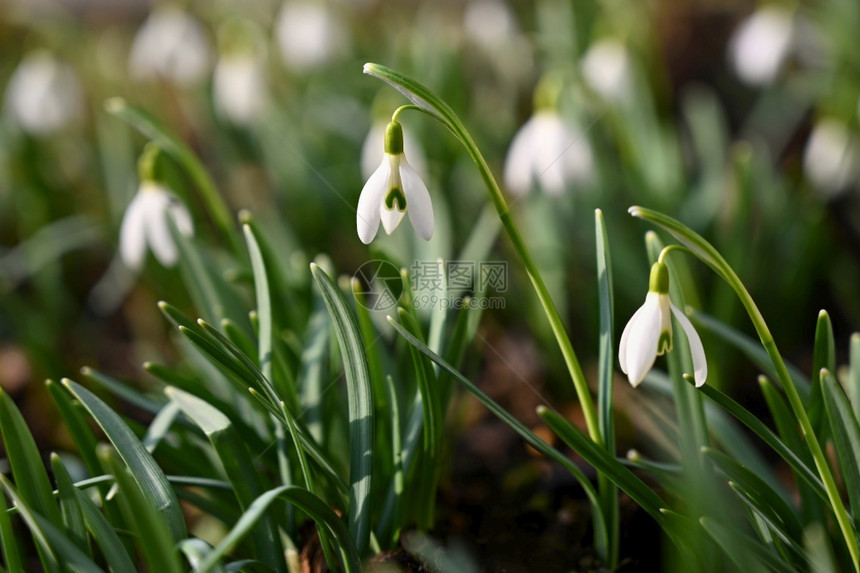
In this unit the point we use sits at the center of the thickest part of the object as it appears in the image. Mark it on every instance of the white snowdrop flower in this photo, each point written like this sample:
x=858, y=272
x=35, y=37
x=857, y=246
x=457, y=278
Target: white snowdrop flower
x=548, y=152
x=145, y=224
x=607, y=68
x=171, y=44
x=393, y=190
x=239, y=87
x=309, y=35
x=489, y=23
x=43, y=94
x=648, y=334
x=831, y=160
x=760, y=45
x=373, y=150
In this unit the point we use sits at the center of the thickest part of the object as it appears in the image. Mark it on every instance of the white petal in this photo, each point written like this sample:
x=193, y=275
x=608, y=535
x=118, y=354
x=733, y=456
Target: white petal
x=625, y=337
x=700, y=365
x=520, y=159
x=390, y=218
x=372, y=195
x=177, y=210
x=418, y=203
x=157, y=231
x=641, y=344
x=132, y=237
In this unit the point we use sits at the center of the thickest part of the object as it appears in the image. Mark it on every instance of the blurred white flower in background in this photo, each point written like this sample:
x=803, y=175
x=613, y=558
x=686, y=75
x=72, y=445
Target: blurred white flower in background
x=145, y=223
x=761, y=44
x=831, y=160
x=43, y=94
x=607, y=69
x=373, y=150
x=239, y=86
x=550, y=153
x=172, y=45
x=309, y=34
x=489, y=23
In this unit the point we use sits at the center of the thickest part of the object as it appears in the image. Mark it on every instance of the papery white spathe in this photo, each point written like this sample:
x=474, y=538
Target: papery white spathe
x=309, y=35
x=43, y=94
x=607, y=69
x=145, y=223
x=830, y=159
x=394, y=189
x=373, y=151
x=547, y=151
x=171, y=44
x=760, y=45
x=648, y=334
x=239, y=87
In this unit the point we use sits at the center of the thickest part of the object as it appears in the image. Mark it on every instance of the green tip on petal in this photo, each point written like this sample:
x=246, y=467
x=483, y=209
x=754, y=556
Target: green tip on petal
x=395, y=200
x=659, y=281
x=393, y=138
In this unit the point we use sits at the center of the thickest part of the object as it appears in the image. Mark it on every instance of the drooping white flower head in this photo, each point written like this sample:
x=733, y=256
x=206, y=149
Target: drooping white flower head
x=146, y=222
x=43, y=94
x=239, y=86
x=172, y=45
x=832, y=157
x=648, y=334
x=394, y=189
x=607, y=68
x=309, y=34
x=550, y=153
x=760, y=45
x=373, y=150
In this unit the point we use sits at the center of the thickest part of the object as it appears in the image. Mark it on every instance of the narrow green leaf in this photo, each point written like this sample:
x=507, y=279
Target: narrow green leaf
x=751, y=349
x=846, y=437
x=757, y=426
x=745, y=552
x=311, y=376
x=304, y=500
x=103, y=533
x=360, y=401
x=123, y=391
x=605, y=377
x=264, y=303
x=823, y=357
x=149, y=524
x=775, y=510
x=73, y=518
x=8, y=540
x=854, y=375
x=31, y=477
x=145, y=471
x=527, y=435
x=46, y=552
x=602, y=462
x=50, y=539
x=238, y=467
x=195, y=550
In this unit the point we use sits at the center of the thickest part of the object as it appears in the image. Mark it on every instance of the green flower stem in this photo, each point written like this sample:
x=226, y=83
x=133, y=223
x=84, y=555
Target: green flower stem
x=711, y=257
x=152, y=128
x=428, y=103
